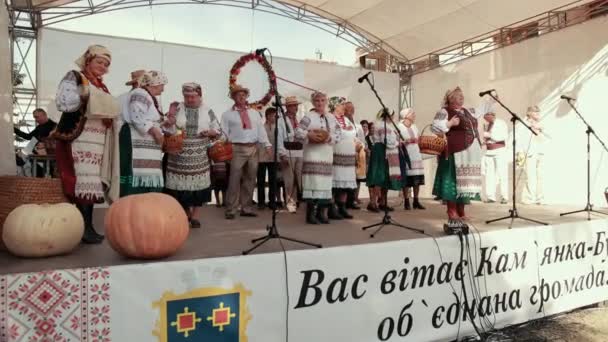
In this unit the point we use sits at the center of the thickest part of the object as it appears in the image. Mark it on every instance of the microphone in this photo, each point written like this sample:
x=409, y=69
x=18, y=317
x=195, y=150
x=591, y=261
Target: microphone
x=260, y=52
x=567, y=98
x=364, y=77
x=484, y=93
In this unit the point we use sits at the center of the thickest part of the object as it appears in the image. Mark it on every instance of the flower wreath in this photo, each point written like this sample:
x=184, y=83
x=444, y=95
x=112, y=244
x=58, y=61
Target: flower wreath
x=272, y=78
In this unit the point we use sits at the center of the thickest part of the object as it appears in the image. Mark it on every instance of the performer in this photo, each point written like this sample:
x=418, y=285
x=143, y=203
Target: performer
x=458, y=178
x=378, y=179
x=245, y=130
x=84, y=151
x=344, y=161
x=415, y=173
x=318, y=131
x=142, y=136
x=290, y=152
x=495, y=159
x=352, y=201
x=188, y=177
x=533, y=152
x=266, y=163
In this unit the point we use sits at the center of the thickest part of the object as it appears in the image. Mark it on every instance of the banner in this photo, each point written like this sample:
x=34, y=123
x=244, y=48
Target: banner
x=409, y=290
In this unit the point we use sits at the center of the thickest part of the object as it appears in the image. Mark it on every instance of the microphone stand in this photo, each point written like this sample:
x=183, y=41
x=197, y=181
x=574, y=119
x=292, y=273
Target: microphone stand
x=588, y=207
x=386, y=219
x=513, y=214
x=272, y=230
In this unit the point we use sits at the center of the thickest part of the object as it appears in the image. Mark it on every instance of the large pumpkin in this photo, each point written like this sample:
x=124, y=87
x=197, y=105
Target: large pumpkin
x=40, y=230
x=147, y=226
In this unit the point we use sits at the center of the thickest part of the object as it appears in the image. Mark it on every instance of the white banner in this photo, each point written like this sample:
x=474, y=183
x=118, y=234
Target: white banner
x=407, y=290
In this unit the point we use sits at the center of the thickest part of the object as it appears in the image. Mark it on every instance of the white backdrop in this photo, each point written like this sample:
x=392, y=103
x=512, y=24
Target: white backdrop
x=58, y=49
x=572, y=61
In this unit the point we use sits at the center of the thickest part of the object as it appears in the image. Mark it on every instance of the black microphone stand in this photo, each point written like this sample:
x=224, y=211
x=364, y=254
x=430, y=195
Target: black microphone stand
x=273, y=232
x=513, y=214
x=386, y=219
x=588, y=207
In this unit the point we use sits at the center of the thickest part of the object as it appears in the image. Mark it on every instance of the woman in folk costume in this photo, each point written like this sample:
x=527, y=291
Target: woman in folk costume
x=458, y=178
x=318, y=131
x=85, y=151
x=142, y=136
x=414, y=175
x=378, y=179
x=344, y=160
x=187, y=174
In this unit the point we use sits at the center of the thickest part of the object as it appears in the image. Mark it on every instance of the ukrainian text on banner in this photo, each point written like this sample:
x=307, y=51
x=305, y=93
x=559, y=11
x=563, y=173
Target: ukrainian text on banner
x=408, y=291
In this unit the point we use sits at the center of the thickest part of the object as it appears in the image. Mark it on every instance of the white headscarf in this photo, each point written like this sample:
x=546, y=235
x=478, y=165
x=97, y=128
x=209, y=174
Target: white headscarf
x=92, y=52
x=152, y=78
x=405, y=112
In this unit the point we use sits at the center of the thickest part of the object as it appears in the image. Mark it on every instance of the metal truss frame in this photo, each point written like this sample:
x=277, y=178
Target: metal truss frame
x=543, y=23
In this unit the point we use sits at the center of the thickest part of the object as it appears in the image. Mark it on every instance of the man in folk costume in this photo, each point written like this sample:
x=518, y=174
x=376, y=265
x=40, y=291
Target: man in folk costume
x=496, y=158
x=187, y=176
x=86, y=153
x=245, y=130
x=142, y=136
x=291, y=152
x=458, y=178
x=531, y=151
x=318, y=131
x=266, y=166
x=352, y=201
x=344, y=161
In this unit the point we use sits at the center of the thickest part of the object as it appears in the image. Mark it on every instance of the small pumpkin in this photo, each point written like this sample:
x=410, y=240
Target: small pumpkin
x=42, y=230
x=146, y=226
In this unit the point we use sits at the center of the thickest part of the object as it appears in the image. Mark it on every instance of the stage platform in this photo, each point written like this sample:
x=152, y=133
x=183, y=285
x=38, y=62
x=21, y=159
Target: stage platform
x=219, y=237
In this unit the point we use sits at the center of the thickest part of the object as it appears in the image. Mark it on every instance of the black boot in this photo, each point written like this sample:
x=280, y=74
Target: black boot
x=321, y=216
x=350, y=201
x=342, y=211
x=417, y=205
x=406, y=204
x=333, y=212
x=90, y=236
x=311, y=209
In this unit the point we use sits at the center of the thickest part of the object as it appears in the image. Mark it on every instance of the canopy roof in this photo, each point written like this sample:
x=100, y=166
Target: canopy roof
x=416, y=27
x=404, y=28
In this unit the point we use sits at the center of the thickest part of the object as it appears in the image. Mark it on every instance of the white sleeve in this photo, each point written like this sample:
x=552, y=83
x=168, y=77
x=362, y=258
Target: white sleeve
x=67, y=98
x=440, y=122
x=282, y=136
x=214, y=125
x=391, y=138
x=139, y=113
x=262, y=136
x=500, y=132
x=335, y=131
x=225, y=126
x=302, y=130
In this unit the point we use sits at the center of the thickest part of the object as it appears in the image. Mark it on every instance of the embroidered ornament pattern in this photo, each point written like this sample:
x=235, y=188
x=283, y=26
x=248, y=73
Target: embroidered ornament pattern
x=58, y=306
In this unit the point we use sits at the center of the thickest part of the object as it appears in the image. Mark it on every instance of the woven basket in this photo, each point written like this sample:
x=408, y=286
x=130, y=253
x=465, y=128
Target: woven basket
x=221, y=151
x=431, y=144
x=15, y=191
x=174, y=143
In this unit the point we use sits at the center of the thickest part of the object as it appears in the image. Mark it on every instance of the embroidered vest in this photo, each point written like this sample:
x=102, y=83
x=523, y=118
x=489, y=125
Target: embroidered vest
x=463, y=135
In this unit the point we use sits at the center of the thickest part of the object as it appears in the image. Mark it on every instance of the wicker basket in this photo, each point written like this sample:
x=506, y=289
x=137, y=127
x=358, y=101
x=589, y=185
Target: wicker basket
x=221, y=151
x=15, y=191
x=174, y=143
x=431, y=144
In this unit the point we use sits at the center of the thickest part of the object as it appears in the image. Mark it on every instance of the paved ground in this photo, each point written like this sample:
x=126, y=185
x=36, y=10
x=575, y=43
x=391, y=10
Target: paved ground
x=587, y=325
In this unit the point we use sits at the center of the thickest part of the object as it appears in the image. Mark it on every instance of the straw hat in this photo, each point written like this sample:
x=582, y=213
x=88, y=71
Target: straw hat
x=292, y=100
x=135, y=75
x=237, y=89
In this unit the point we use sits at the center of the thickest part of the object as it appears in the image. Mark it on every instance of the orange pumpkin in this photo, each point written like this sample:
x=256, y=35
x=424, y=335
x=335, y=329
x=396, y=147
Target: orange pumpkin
x=147, y=226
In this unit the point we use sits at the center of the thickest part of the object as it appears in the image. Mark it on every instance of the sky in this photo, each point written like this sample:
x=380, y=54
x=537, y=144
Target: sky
x=220, y=27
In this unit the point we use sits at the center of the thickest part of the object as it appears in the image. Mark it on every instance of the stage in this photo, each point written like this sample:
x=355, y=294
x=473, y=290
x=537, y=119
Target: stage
x=219, y=237
x=400, y=285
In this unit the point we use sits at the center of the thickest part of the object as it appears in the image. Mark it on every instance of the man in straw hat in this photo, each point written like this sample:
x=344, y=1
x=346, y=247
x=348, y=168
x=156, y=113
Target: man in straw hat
x=245, y=130
x=458, y=177
x=291, y=152
x=496, y=158
x=532, y=150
